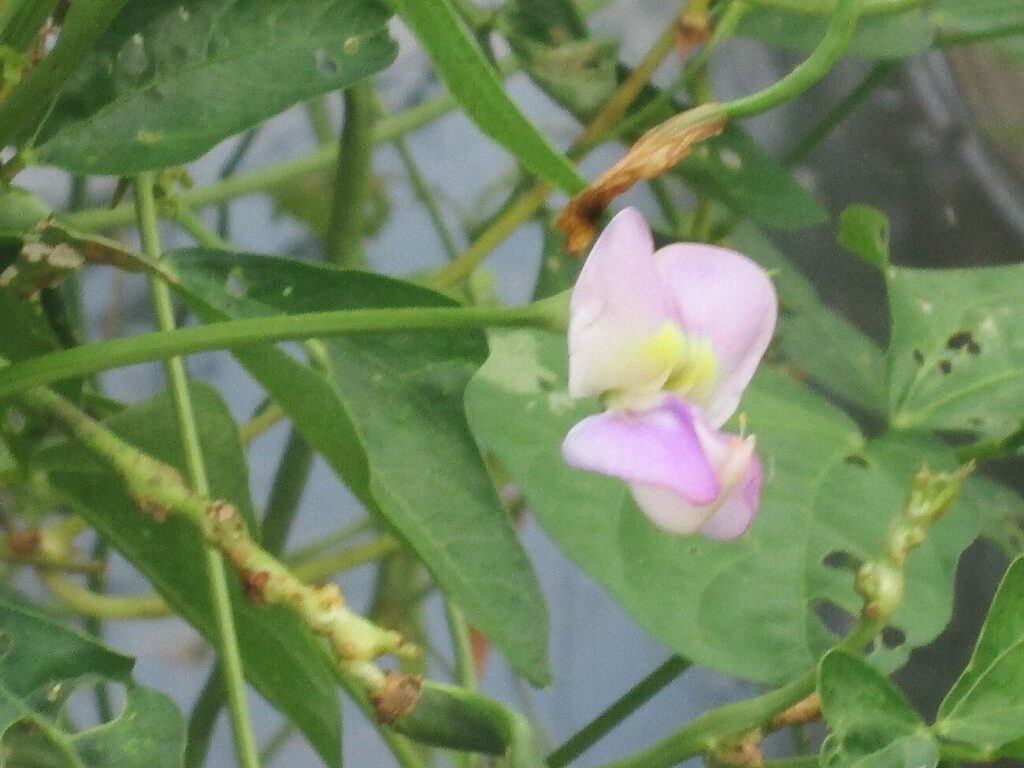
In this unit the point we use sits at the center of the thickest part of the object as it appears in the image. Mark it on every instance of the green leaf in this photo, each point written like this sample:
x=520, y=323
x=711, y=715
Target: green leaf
x=385, y=411
x=817, y=338
x=877, y=37
x=464, y=67
x=20, y=210
x=864, y=231
x=828, y=495
x=984, y=708
x=558, y=268
x=170, y=79
x=550, y=40
x=41, y=664
x=285, y=662
x=873, y=725
x=957, y=349
x=975, y=15
x=733, y=168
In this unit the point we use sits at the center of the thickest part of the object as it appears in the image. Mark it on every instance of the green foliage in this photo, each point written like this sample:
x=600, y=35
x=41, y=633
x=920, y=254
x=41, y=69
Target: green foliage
x=819, y=340
x=984, y=707
x=385, y=411
x=550, y=40
x=42, y=663
x=893, y=36
x=873, y=726
x=281, y=658
x=829, y=495
x=464, y=67
x=957, y=348
x=161, y=87
x=975, y=15
x=864, y=231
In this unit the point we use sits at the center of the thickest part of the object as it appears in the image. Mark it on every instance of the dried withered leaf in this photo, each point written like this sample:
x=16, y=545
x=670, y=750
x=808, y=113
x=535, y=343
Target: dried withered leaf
x=653, y=153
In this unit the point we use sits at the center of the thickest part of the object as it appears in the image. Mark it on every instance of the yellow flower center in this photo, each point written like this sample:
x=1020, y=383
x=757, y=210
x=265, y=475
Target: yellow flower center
x=686, y=367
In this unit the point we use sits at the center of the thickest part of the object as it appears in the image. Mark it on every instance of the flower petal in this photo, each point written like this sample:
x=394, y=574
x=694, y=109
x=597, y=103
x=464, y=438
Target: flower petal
x=657, y=447
x=618, y=303
x=727, y=298
x=670, y=511
x=739, y=507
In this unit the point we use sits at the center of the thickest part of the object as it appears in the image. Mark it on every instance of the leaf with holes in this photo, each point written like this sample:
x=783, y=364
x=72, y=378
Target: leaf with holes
x=892, y=36
x=280, y=656
x=385, y=410
x=42, y=662
x=984, y=707
x=829, y=495
x=170, y=79
x=957, y=349
x=873, y=725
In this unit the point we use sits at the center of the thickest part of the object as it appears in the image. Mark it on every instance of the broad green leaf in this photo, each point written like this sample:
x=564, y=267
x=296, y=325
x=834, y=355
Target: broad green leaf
x=957, y=349
x=471, y=78
x=550, y=40
x=733, y=168
x=817, y=338
x=385, y=411
x=828, y=495
x=558, y=269
x=41, y=664
x=864, y=231
x=975, y=15
x=170, y=79
x=281, y=657
x=873, y=725
x=878, y=37
x=984, y=708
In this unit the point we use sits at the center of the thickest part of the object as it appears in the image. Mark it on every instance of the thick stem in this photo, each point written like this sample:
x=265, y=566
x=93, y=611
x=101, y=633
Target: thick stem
x=344, y=244
x=231, y=658
x=225, y=334
x=833, y=44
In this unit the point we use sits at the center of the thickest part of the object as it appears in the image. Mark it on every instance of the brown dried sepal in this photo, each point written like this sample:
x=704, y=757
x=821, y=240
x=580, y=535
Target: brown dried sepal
x=24, y=542
x=804, y=711
x=653, y=153
x=692, y=31
x=398, y=697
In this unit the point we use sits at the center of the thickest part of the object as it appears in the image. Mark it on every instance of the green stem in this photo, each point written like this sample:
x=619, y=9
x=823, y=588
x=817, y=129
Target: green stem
x=993, y=449
x=116, y=353
x=949, y=39
x=228, y=170
x=878, y=74
x=277, y=741
x=465, y=666
x=421, y=189
x=319, y=113
x=286, y=492
x=344, y=243
x=319, y=568
x=204, y=717
x=329, y=542
x=519, y=211
x=272, y=176
x=22, y=111
x=812, y=69
x=97, y=605
x=96, y=583
x=699, y=736
x=203, y=235
x=825, y=7
x=618, y=711
x=231, y=659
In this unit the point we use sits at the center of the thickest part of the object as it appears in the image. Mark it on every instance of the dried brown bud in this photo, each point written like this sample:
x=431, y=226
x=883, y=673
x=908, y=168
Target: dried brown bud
x=398, y=697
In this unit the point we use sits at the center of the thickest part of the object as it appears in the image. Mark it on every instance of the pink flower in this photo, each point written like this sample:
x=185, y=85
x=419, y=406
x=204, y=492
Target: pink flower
x=670, y=340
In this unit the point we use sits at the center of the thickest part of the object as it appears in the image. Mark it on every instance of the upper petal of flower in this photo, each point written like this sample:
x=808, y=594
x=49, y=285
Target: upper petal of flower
x=618, y=306
x=726, y=298
x=657, y=448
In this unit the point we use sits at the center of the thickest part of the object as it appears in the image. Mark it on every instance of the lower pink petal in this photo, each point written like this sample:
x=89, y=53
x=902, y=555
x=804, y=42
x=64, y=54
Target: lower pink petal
x=658, y=447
